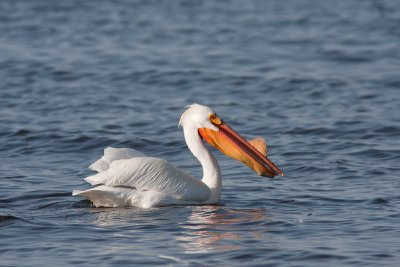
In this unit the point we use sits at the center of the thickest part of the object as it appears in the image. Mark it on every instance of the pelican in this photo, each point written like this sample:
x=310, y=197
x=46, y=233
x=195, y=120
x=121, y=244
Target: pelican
x=127, y=177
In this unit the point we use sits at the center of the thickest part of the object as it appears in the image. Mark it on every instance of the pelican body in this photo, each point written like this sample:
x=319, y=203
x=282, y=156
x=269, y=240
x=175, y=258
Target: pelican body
x=127, y=177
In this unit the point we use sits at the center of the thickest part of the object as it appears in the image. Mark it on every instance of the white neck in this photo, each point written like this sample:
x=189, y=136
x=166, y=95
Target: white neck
x=211, y=170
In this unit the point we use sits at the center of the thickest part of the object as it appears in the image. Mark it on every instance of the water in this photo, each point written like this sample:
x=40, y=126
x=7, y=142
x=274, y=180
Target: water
x=319, y=79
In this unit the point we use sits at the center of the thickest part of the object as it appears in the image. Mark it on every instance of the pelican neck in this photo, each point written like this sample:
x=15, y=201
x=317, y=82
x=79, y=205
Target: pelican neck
x=211, y=169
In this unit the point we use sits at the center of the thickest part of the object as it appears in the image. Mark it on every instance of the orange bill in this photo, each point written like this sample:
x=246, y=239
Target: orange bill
x=251, y=153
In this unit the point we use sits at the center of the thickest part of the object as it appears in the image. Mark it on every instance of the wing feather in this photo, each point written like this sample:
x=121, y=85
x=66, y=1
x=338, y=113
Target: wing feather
x=111, y=154
x=147, y=173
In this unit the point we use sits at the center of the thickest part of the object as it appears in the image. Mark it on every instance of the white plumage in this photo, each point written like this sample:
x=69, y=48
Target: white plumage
x=126, y=177
x=111, y=154
x=147, y=173
x=143, y=182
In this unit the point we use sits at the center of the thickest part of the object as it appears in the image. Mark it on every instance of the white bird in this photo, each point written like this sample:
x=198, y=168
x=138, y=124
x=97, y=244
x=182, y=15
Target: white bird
x=127, y=177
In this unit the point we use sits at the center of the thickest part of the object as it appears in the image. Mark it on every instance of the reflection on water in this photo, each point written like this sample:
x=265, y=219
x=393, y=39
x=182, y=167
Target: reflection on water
x=113, y=217
x=216, y=228
x=198, y=229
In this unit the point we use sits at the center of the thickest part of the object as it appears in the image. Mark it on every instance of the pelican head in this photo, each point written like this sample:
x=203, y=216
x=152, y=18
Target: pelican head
x=217, y=133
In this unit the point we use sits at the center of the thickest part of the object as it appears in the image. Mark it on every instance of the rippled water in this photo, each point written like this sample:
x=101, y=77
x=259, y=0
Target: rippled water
x=319, y=79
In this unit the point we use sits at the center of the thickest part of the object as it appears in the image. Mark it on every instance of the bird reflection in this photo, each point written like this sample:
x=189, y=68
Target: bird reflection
x=114, y=217
x=197, y=229
x=216, y=228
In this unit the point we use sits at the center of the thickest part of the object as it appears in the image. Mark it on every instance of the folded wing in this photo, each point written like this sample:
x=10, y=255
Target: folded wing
x=152, y=174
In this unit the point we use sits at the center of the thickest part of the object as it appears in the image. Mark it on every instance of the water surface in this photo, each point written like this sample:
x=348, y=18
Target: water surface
x=318, y=79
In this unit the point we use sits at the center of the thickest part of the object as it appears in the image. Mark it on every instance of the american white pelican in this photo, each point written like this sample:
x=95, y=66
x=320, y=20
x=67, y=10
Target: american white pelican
x=127, y=177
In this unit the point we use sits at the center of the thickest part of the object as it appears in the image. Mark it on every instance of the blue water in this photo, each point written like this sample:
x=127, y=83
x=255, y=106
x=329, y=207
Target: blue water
x=320, y=80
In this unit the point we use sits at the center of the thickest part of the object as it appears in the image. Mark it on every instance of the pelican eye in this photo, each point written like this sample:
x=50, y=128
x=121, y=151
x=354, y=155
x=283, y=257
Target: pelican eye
x=215, y=119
